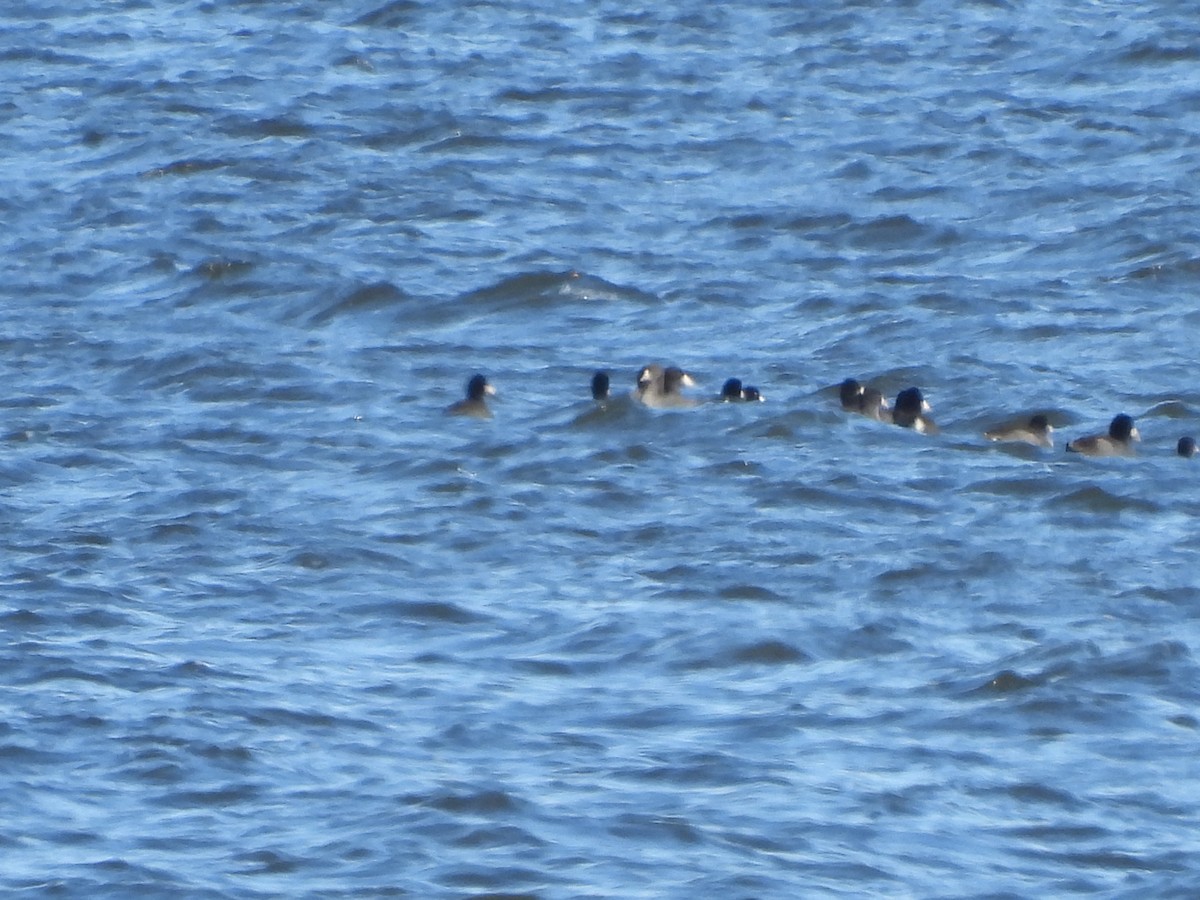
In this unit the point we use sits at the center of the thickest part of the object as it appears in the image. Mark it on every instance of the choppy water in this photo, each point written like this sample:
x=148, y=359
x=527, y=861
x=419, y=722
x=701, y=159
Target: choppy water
x=275, y=626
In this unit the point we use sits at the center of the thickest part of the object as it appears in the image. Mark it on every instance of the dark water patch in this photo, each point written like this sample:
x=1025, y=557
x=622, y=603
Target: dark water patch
x=497, y=882
x=24, y=755
x=99, y=618
x=1045, y=795
x=379, y=297
x=218, y=797
x=656, y=829
x=485, y=802
x=255, y=129
x=751, y=592
x=424, y=611
x=1007, y=682
x=18, y=620
x=871, y=640
x=51, y=673
x=216, y=269
x=1096, y=499
x=1149, y=52
x=1170, y=271
x=498, y=836
x=185, y=167
x=300, y=718
x=537, y=289
x=269, y=862
x=768, y=652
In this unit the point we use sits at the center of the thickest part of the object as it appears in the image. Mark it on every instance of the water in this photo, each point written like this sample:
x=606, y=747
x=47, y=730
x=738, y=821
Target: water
x=274, y=626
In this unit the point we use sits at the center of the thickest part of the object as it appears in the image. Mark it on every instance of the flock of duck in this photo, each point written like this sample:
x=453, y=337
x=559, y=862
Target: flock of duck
x=661, y=387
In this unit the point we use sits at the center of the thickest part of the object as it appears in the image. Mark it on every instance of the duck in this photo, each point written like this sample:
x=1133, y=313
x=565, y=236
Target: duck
x=1118, y=442
x=734, y=391
x=474, y=403
x=1037, y=431
x=600, y=386
x=874, y=405
x=909, y=411
x=659, y=388
x=866, y=401
x=851, y=393
x=1186, y=446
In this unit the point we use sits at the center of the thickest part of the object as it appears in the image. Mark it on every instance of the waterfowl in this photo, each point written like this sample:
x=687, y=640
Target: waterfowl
x=660, y=388
x=866, y=401
x=473, y=404
x=1118, y=442
x=909, y=411
x=874, y=405
x=851, y=393
x=1186, y=446
x=734, y=391
x=1037, y=431
x=600, y=386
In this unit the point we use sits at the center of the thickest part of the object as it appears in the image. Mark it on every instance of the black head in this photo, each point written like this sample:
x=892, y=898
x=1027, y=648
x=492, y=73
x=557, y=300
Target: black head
x=910, y=403
x=1040, y=424
x=851, y=392
x=1121, y=428
x=600, y=385
x=1186, y=446
x=732, y=390
x=477, y=387
x=751, y=394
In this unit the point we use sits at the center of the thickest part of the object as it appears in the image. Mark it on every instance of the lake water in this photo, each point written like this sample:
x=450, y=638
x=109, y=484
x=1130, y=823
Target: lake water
x=274, y=626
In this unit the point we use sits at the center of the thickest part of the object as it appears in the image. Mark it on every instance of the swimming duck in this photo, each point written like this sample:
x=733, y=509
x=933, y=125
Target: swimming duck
x=473, y=404
x=734, y=391
x=1186, y=446
x=660, y=388
x=1037, y=431
x=874, y=405
x=866, y=401
x=1118, y=442
x=909, y=411
x=851, y=393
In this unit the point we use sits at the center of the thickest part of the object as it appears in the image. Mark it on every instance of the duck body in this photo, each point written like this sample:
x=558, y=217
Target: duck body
x=909, y=411
x=660, y=388
x=475, y=403
x=1037, y=431
x=1122, y=433
x=866, y=401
